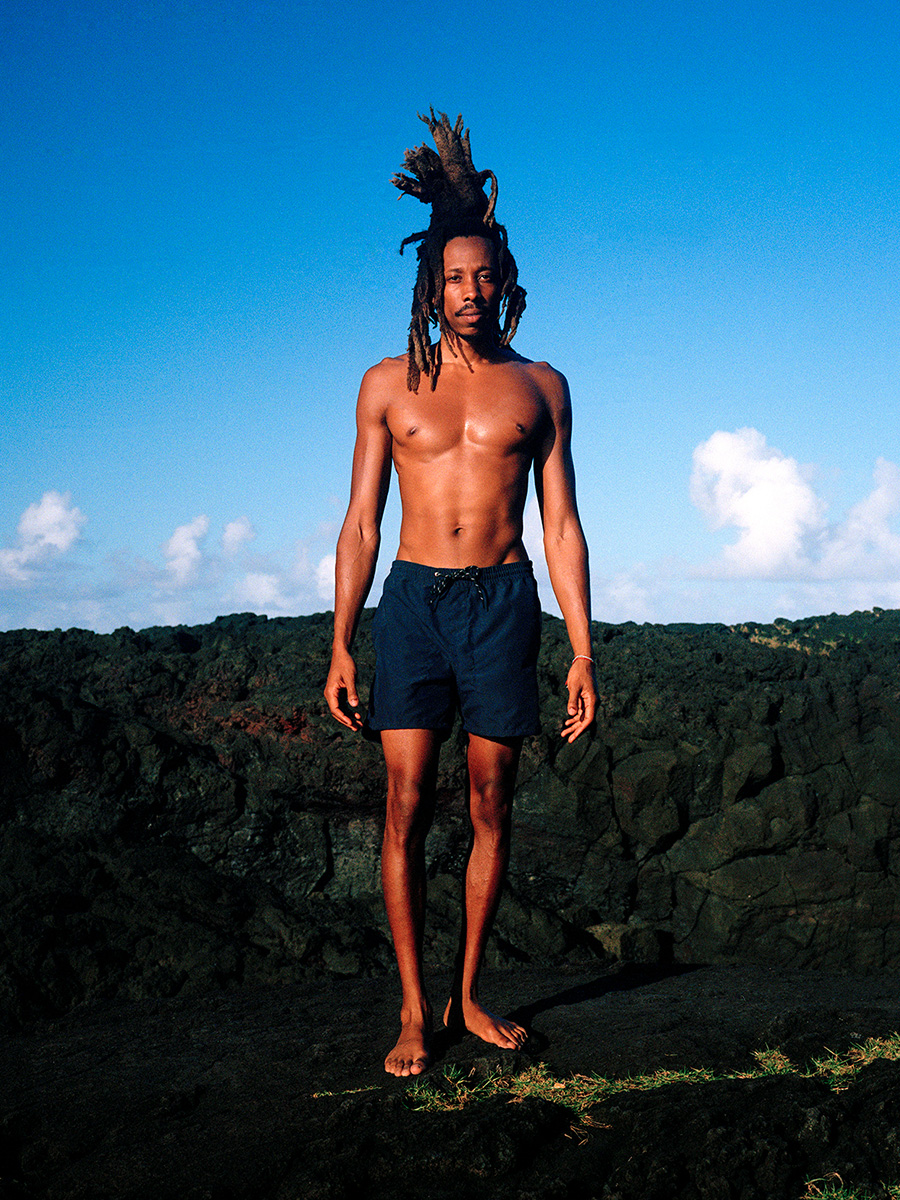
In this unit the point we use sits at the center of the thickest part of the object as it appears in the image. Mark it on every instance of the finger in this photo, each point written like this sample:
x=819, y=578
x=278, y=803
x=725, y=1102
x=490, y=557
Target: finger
x=334, y=697
x=585, y=722
x=353, y=720
x=338, y=714
x=576, y=689
x=580, y=720
x=575, y=730
x=349, y=703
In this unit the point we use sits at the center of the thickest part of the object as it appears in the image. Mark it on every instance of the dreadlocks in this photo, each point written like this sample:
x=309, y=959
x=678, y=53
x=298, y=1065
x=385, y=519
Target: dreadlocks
x=448, y=181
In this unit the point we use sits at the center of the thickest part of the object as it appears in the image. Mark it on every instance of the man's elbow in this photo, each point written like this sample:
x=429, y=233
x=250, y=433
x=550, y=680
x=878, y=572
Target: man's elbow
x=357, y=536
x=566, y=539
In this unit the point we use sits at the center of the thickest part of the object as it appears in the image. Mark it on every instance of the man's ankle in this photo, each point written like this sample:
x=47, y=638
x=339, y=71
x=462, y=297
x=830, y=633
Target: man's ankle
x=416, y=1011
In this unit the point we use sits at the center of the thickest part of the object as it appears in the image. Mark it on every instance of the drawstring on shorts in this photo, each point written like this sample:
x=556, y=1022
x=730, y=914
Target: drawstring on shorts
x=444, y=579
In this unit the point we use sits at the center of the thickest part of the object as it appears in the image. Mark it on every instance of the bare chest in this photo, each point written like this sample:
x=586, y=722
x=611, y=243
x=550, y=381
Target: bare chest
x=496, y=420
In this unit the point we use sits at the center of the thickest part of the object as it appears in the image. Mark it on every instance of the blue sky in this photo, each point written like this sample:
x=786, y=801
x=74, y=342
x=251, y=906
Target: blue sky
x=200, y=260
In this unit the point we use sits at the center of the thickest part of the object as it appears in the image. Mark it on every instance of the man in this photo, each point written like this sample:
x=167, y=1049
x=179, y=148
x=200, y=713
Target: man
x=459, y=620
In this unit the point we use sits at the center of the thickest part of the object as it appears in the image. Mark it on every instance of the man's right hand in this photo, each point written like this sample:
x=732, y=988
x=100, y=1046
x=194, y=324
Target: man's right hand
x=340, y=691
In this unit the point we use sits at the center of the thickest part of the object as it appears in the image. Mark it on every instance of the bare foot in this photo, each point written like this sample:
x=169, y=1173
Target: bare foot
x=487, y=1025
x=412, y=1053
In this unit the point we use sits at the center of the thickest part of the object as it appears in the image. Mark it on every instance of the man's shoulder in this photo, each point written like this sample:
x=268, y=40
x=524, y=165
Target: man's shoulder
x=382, y=383
x=552, y=383
x=537, y=367
x=388, y=370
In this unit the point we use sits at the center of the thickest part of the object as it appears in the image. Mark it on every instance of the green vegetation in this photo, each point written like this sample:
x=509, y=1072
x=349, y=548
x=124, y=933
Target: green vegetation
x=450, y=1088
x=832, y=1188
x=346, y=1092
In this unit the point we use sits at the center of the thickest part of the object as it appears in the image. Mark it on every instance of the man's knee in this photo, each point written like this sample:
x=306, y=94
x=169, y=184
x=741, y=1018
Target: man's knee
x=492, y=781
x=490, y=804
x=410, y=805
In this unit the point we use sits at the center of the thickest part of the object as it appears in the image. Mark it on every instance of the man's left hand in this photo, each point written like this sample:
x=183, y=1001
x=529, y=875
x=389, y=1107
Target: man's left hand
x=582, y=706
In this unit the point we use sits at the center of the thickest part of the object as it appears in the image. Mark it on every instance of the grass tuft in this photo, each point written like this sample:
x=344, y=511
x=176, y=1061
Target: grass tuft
x=774, y=1062
x=372, y=1087
x=841, y=1068
x=831, y=1187
x=450, y=1089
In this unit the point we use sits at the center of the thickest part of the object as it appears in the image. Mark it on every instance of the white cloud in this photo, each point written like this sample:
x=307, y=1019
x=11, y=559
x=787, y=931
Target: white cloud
x=739, y=480
x=195, y=583
x=626, y=597
x=53, y=524
x=301, y=571
x=325, y=578
x=261, y=591
x=48, y=528
x=863, y=546
x=236, y=534
x=285, y=592
x=183, y=553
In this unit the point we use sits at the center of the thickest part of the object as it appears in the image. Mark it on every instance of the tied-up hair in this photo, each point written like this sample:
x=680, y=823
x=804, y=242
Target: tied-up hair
x=448, y=181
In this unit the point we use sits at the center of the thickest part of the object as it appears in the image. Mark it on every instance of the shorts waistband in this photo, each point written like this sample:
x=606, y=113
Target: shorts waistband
x=400, y=566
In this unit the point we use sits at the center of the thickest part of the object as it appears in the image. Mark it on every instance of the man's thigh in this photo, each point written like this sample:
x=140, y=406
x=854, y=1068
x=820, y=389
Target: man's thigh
x=411, y=757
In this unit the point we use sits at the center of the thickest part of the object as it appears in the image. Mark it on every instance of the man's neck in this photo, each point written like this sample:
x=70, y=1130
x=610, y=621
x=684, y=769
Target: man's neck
x=474, y=353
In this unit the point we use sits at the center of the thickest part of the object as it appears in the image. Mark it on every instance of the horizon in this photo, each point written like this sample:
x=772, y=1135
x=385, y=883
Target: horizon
x=777, y=623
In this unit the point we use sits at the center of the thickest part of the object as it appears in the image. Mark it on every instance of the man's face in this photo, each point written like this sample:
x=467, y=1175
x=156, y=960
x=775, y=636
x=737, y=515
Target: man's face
x=471, y=287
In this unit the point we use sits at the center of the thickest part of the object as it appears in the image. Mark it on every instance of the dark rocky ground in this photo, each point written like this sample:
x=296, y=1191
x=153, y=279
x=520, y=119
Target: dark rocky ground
x=215, y=1097
x=192, y=940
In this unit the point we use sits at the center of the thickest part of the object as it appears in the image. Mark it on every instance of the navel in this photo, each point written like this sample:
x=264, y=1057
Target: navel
x=521, y=428
x=411, y=430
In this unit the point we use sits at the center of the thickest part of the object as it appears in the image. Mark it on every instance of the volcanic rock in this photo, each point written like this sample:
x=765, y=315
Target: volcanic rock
x=180, y=814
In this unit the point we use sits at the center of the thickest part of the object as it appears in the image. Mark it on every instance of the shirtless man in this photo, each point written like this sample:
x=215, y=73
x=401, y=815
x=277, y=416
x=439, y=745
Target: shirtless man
x=463, y=453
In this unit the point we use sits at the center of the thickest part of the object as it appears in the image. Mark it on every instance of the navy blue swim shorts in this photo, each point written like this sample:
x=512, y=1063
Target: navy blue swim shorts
x=464, y=639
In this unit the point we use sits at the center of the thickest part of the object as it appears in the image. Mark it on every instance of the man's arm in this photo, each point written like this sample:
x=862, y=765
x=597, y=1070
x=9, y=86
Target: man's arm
x=360, y=536
x=565, y=547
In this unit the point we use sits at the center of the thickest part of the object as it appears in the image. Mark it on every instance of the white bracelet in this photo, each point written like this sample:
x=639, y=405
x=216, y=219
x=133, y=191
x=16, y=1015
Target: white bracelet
x=586, y=657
